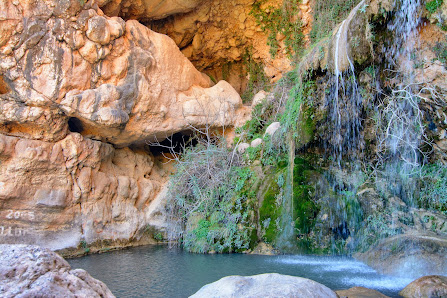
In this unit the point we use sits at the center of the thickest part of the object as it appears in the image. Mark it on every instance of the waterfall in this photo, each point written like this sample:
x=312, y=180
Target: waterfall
x=403, y=117
x=404, y=28
x=344, y=96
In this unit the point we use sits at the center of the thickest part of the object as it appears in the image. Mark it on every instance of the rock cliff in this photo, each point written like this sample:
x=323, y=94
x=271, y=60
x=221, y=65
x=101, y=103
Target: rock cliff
x=81, y=95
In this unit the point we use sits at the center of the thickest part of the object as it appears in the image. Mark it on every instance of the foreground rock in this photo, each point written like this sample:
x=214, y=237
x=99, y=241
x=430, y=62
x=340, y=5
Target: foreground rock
x=408, y=255
x=31, y=271
x=427, y=286
x=265, y=285
x=360, y=292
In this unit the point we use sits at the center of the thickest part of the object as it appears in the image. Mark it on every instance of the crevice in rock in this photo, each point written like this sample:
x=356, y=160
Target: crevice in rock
x=176, y=143
x=75, y=125
x=4, y=88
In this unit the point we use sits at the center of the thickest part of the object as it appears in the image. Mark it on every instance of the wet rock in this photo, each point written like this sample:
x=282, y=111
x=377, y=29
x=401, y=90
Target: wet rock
x=408, y=255
x=432, y=286
x=265, y=285
x=31, y=271
x=264, y=249
x=360, y=292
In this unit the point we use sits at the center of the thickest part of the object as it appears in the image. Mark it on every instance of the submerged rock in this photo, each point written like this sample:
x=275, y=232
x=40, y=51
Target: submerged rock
x=31, y=271
x=265, y=285
x=360, y=292
x=427, y=286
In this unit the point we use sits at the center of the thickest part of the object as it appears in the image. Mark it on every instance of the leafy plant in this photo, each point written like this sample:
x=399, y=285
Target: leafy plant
x=280, y=20
x=440, y=50
x=433, y=194
x=432, y=6
x=327, y=14
x=257, y=80
x=210, y=202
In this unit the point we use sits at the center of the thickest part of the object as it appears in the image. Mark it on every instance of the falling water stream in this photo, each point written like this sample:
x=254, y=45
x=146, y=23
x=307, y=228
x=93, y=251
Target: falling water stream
x=158, y=272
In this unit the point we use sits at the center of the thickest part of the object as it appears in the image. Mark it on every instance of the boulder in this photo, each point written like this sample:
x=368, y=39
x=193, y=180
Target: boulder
x=272, y=129
x=259, y=98
x=242, y=147
x=427, y=286
x=408, y=255
x=31, y=271
x=360, y=292
x=265, y=285
x=256, y=142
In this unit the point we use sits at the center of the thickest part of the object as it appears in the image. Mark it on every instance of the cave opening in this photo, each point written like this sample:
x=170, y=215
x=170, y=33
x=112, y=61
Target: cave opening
x=75, y=125
x=176, y=143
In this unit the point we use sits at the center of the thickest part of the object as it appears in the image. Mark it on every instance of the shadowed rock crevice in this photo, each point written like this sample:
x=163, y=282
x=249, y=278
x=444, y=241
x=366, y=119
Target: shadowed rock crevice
x=176, y=143
x=4, y=88
x=75, y=125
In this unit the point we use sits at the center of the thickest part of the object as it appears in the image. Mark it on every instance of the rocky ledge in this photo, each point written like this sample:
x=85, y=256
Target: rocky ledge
x=31, y=271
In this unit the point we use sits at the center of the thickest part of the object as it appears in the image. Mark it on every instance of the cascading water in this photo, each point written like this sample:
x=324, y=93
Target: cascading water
x=344, y=95
x=345, y=104
x=404, y=130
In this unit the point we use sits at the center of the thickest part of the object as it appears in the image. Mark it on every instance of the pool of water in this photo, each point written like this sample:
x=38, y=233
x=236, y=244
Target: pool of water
x=156, y=271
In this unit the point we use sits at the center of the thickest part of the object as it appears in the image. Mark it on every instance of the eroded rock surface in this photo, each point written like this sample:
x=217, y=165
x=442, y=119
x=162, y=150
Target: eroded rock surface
x=31, y=271
x=75, y=190
x=265, y=285
x=122, y=81
x=427, y=286
x=408, y=255
x=219, y=35
x=145, y=10
x=78, y=89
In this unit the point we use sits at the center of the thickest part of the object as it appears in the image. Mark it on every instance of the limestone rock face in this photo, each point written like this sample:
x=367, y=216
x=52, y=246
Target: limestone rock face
x=217, y=35
x=122, y=81
x=265, y=285
x=145, y=10
x=74, y=190
x=78, y=89
x=30, y=271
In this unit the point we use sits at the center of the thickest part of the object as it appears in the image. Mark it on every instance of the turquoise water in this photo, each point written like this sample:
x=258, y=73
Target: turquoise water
x=156, y=271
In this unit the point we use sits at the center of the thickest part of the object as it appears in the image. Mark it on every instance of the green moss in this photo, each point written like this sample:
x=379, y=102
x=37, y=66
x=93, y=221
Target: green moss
x=257, y=79
x=432, y=6
x=280, y=20
x=305, y=209
x=440, y=50
x=271, y=208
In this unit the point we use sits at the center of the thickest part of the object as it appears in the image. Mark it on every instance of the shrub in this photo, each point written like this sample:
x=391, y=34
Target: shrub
x=209, y=206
